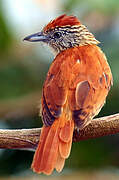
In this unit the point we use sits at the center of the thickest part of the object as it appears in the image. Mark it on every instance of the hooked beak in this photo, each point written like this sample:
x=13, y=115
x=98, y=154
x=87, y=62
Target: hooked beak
x=36, y=37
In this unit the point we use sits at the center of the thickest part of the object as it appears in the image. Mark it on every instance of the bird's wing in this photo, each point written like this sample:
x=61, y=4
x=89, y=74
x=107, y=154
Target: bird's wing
x=52, y=101
x=90, y=85
x=54, y=93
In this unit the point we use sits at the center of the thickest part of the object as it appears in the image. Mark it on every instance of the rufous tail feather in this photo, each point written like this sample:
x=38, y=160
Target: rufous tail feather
x=54, y=147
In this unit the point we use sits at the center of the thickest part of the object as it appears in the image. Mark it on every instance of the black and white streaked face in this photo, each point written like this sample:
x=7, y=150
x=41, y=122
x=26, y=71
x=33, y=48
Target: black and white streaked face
x=61, y=38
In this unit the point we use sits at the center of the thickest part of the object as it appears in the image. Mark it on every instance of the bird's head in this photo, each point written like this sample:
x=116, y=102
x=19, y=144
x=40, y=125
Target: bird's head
x=62, y=33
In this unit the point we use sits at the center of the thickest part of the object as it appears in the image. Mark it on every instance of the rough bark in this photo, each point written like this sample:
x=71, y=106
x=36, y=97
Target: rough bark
x=28, y=138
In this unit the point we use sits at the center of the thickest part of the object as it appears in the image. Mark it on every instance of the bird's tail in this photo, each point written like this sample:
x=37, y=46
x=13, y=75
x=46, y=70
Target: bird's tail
x=54, y=146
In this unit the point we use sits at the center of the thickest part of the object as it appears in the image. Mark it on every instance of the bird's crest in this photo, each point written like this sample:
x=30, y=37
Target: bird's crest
x=62, y=20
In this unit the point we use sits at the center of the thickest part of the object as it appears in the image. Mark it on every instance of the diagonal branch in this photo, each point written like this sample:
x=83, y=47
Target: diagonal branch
x=28, y=138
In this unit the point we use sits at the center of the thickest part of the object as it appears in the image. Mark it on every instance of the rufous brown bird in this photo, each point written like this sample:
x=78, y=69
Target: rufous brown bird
x=74, y=91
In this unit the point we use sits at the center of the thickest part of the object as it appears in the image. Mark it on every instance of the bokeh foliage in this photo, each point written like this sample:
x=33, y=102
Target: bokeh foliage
x=5, y=34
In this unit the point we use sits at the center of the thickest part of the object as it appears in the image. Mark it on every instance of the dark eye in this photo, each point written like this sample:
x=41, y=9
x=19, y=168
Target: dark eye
x=57, y=35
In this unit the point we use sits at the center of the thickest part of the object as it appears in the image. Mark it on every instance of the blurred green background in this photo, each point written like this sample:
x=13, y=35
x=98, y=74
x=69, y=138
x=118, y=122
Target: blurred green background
x=23, y=68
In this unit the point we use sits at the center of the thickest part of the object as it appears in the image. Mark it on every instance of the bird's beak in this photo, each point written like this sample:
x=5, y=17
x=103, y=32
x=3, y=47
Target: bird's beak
x=37, y=37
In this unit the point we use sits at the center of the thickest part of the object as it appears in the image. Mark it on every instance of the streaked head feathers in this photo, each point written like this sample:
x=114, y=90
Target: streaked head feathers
x=62, y=20
x=62, y=33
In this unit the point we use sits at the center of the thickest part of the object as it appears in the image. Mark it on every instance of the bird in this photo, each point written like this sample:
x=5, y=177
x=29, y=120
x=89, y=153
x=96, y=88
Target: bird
x=74, y=91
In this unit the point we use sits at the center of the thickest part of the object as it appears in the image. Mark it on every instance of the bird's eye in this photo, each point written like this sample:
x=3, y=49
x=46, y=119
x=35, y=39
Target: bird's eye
x=57, y=35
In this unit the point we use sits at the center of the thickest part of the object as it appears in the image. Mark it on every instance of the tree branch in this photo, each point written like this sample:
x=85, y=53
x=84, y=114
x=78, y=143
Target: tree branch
x=29, y=138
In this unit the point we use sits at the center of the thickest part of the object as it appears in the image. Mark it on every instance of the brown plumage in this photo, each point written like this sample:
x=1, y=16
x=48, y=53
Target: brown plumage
x=74, y=91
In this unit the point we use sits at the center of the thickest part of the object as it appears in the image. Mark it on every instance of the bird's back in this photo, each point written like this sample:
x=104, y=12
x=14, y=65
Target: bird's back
x=63, y=84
